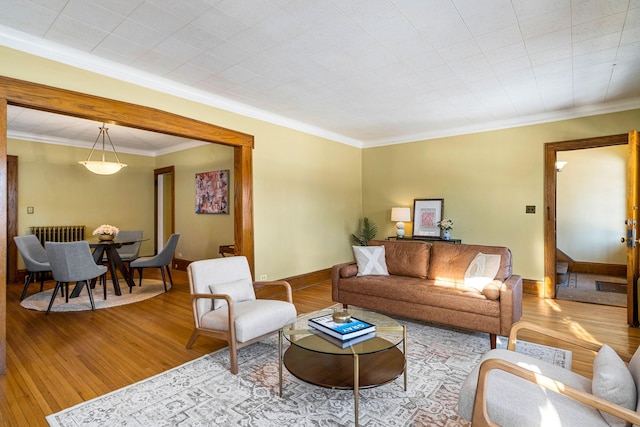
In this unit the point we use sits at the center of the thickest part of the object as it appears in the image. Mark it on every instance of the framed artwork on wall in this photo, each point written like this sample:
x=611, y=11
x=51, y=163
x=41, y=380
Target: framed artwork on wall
x=212, y=192
x=427, y=213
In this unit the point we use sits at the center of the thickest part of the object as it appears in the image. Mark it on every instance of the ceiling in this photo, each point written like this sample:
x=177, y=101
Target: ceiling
x=365, y=73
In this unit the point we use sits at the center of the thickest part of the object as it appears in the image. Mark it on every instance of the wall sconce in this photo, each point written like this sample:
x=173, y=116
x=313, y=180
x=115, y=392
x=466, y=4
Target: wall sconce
x=560, y=165
x=401, y=215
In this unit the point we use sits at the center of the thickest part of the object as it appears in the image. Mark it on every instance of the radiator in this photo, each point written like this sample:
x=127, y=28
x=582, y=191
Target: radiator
x=58, y=233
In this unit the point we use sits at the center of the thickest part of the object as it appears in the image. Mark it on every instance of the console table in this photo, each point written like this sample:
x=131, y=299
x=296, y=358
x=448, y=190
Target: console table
x=227, y=249
x=426, y=239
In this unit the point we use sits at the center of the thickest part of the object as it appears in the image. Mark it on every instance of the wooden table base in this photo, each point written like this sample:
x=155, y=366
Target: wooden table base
x=344, y=371
x=336, y=371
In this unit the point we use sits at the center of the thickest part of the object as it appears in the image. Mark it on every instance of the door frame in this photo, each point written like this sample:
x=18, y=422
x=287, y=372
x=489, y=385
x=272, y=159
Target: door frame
x=550, y=187
x=61, y=101
x=12, y=218
x=169, y=170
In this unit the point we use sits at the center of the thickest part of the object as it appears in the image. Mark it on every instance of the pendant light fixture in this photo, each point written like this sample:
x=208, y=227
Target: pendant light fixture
x=103, y=167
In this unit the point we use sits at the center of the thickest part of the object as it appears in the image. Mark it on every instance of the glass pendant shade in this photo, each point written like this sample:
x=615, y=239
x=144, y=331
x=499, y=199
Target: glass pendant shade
x=102, y=167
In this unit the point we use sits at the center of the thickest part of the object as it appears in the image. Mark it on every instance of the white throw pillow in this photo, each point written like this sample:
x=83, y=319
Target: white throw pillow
x=238, y=290
x=481, y=271
x=612, y=381
x=370, y=260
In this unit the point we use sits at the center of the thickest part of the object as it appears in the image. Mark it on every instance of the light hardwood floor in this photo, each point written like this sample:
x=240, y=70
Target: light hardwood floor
x=59, y=360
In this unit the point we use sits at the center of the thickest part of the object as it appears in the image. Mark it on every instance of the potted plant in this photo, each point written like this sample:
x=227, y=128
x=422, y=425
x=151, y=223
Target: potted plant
x=367, y=231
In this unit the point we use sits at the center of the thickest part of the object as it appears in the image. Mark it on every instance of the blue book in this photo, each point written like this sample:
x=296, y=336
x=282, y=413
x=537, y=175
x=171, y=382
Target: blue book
x=342, y=331
x=347, y=343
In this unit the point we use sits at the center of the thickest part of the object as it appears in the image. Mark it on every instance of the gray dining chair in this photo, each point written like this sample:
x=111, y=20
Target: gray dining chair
x=161, y=261
x=130, y=252
x=35, y=259
x=73, y=262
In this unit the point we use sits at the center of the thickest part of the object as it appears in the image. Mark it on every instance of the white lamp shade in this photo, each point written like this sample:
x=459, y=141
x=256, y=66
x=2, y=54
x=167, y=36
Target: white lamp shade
x=400, y=214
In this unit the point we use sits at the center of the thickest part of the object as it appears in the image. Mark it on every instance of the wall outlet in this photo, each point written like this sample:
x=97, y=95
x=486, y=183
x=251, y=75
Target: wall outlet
x=179, y=254
x=263, y=277
x=530, y=209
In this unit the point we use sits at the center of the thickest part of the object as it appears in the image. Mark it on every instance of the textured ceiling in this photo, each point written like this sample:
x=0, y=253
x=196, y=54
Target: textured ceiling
x=366, y=72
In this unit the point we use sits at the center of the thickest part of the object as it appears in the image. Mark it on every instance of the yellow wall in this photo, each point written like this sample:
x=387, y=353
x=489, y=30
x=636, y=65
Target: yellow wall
x=486, y=180
x=591, y=204
x=310, y=193
x=203, y=232
x=307, y=197
x=63, y=192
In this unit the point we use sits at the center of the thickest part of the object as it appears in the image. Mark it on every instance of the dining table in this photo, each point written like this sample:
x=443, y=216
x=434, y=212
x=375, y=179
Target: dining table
x=114, y=262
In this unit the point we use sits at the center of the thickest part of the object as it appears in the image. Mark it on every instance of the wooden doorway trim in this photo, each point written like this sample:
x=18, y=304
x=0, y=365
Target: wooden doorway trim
x=550, y=182
x=169, y=170
x=46, y=98
x=12, y=218
x=3, y=236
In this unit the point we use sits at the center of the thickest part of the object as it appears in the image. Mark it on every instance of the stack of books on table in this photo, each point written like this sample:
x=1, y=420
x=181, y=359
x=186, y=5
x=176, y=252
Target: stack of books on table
x=343, y=334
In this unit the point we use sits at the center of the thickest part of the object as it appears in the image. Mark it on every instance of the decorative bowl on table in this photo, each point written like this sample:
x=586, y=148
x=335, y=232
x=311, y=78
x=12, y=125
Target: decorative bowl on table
x=341, y=316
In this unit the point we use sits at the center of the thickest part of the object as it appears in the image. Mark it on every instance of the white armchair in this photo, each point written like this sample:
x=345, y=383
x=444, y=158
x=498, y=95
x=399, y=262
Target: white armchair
x=225, y=304
x=512, y=389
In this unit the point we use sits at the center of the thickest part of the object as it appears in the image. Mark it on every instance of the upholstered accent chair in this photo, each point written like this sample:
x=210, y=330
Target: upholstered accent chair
x=73, y=262
x=162, y=261
x=512, y=389
x=225, y=304
x=35, y=259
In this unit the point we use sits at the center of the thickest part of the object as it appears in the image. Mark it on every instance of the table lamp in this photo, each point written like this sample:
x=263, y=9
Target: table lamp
x=401, y=215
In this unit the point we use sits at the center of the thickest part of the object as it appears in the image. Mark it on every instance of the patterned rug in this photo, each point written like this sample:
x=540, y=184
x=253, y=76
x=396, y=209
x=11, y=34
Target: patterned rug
x=149, y=289
x=584, y=288
x=204, y=393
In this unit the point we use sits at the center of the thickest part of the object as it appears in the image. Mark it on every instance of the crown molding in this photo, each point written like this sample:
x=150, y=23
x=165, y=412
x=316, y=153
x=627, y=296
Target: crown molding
x=27, y=43
x=47, y=49
x=536, y=119
x=32, y=137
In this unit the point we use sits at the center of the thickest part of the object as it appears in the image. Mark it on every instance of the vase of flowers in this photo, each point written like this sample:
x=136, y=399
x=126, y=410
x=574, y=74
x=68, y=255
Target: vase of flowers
x=106, y=232
x=446, y=225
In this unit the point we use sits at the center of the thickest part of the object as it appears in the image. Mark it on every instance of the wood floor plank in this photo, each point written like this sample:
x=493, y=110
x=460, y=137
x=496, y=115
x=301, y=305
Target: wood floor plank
x=57, y=361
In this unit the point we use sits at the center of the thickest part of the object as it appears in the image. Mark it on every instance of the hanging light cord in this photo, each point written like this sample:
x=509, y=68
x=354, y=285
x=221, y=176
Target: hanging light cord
x=103, y=131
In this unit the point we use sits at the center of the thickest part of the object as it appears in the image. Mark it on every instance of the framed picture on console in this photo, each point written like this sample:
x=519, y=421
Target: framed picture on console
x=427, y=213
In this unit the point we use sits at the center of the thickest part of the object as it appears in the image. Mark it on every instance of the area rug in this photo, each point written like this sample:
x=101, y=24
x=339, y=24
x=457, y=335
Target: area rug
x=583, y=288
x=204, y=393
x=149, y=289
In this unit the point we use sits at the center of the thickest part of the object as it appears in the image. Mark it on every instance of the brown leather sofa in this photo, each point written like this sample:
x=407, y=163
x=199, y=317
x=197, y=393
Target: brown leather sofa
x=426, y=281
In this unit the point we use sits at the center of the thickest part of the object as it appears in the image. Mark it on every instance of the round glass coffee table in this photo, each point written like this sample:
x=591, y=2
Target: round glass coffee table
x=370, y=363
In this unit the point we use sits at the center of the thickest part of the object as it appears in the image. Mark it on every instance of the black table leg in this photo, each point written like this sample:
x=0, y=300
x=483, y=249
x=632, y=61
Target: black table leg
x=112, y=254
x=97, y=257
